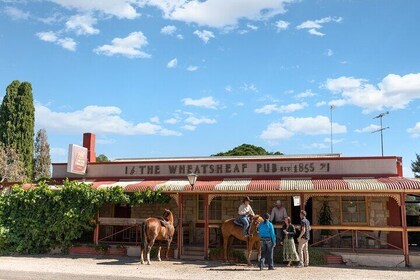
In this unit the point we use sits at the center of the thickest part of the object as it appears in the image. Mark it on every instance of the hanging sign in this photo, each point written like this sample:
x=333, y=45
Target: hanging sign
x=77, y=161
x=296, y=200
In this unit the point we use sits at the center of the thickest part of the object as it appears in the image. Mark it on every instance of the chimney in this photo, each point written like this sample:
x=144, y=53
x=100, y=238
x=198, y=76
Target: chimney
x=89, y=143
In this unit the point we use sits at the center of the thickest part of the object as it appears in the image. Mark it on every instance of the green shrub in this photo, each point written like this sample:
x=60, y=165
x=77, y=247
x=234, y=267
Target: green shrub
x=36, y=220
x=316, y=256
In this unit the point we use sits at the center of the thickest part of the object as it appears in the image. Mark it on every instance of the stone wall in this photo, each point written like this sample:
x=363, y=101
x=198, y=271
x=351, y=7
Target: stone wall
x=154, y=210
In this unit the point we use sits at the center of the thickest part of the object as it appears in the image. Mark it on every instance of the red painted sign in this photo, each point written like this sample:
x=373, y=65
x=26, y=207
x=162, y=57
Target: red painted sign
x=77, y=160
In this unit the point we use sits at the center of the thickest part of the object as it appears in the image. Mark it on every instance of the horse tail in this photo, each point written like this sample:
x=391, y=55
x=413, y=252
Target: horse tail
x=144, y=235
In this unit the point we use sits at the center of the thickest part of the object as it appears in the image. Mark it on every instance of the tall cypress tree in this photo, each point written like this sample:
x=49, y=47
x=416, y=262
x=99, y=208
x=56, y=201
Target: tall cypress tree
x=42, y=159
x=17, y=117
x=415, y=166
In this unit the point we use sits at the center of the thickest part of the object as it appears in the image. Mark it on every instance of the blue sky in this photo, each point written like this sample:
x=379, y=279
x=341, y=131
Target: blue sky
x=157, y=78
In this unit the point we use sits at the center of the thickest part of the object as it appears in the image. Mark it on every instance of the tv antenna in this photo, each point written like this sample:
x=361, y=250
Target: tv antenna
x=380, y=116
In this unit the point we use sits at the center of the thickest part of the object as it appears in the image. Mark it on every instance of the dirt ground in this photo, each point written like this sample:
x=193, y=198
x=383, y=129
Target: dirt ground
x=51, y=267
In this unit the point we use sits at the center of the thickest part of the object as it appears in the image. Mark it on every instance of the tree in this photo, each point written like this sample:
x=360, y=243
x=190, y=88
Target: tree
x=11, y=167
x=247, y=150
x=17, y=120
x=415, y=166
x=102, y=158
x=42, y=158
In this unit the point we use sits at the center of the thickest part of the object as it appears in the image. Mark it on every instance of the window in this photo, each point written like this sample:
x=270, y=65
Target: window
x=215, y=209
x=259, y=205
x=353, y=210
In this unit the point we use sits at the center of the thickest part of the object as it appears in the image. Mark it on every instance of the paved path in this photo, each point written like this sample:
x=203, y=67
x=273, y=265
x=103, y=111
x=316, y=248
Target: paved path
x=81, y=268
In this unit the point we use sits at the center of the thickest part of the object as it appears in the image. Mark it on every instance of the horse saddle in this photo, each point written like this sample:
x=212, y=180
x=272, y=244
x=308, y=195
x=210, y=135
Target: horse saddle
x=238, y=222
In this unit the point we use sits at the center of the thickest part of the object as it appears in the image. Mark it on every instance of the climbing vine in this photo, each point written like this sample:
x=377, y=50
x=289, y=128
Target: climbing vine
x=36, y=220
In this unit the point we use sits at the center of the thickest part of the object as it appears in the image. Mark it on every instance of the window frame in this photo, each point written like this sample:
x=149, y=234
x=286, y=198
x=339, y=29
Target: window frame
x=365, y=198
x=210, y=220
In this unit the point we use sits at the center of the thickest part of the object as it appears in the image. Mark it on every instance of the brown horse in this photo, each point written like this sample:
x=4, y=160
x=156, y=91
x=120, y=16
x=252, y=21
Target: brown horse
x=157, y=229
x=230, y=230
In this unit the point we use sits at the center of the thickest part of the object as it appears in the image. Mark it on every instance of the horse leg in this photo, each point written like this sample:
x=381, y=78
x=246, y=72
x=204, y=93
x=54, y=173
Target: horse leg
x=258, y=244
x=141, y=255
x=167, y=249
x=158, y=252
x=250, y=245
x=149, y=248
x=225, y=247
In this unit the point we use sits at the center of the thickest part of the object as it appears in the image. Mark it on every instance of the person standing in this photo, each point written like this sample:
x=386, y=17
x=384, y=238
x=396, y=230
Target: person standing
x=268, y=242
x=289, y=249
x=244, y=211
x=278, y=215
x=303, y=239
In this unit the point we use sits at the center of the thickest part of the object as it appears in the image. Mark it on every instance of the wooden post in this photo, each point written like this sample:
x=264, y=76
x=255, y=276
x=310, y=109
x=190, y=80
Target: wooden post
x=302, y=201
x=96, y=230
x=180, y=233
x=206, y=226
x=404, y=231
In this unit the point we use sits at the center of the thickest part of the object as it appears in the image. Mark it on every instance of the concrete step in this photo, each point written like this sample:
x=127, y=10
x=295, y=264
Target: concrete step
x=194, y=253
x=194, y=248
x=189, y=257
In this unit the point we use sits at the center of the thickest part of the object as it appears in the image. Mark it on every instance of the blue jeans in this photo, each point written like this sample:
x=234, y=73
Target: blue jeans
x=266, y=252
x=245, y=222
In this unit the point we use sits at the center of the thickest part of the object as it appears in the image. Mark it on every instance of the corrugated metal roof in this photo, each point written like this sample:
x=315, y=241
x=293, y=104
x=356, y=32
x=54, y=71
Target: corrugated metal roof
x=233, y=185
x=296, y=185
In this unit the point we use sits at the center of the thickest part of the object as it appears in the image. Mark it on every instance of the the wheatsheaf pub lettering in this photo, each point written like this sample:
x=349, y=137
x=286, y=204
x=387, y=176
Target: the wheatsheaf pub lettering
x=228, y=168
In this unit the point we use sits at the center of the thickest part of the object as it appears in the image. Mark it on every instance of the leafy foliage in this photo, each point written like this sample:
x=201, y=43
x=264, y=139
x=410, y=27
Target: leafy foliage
x=42, y=158
x=415, y=166
x=17, y=120
x=316, y=256
x=11, y=167
x=36, y=220
x=102, y=158
x=247, y=150
x=325, y=217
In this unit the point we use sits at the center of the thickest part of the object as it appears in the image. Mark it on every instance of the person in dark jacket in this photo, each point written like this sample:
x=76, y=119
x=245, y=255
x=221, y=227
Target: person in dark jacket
x=289, y=248
x=268, y=242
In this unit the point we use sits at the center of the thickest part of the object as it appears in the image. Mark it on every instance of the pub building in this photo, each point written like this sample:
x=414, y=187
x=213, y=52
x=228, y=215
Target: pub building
x=374, y=209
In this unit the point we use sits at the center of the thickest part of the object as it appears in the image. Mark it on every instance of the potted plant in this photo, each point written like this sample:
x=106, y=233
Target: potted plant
x=325, y=218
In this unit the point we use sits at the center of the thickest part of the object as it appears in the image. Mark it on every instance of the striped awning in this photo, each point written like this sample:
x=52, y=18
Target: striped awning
x=282, y=185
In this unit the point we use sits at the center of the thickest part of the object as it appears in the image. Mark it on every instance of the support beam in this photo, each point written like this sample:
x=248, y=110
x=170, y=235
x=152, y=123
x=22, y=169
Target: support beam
x=404, y=231
x=180, y=233
x=302, y=201
x=96, y=230
x=206, y=226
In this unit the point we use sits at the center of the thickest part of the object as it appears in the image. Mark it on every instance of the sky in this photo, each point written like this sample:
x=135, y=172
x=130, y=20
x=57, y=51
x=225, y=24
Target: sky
x=170, y=78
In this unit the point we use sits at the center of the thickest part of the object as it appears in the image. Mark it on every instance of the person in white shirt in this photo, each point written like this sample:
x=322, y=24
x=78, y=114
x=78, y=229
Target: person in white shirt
x=244, y=210
x=278, y=215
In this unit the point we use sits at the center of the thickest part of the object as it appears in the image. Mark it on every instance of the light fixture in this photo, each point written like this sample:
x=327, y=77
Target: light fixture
x=192, y=178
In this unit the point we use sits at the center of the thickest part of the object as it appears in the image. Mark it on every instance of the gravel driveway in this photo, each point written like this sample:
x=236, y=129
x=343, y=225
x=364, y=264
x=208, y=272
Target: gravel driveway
x=50, y=267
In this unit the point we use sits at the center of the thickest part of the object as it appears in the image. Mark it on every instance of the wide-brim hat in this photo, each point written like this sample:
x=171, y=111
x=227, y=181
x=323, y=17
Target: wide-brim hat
x=278, y=202
x=246, y=198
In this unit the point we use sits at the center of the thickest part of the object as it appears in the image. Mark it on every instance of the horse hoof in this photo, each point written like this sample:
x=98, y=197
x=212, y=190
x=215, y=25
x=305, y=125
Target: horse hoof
x=141, y=262
x=149, y=263
x=159, y=260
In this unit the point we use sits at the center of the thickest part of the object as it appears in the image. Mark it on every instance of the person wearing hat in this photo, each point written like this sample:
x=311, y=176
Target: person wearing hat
x=278, y=215
x=244, y=210
x=268, y=242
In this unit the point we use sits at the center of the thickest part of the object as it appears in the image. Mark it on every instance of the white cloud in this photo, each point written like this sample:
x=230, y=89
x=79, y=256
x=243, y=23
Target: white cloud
x=192, y=68
x=228, y=88
x=320, y=103
x=82, y=24
x=204, y=35
x=105, y=140
x=168, y=30
x=239, y=104
x=129, y=46
x=320, y=146
x=99, y=119
x=249, y=87
x=369, y=128
x=173, y=63
x=196, y=121
x=305, y=94
x=48, y=36
x=307, y=126
x=313, y=26
x=329, y=52
x=52, y=37
x=155, y=119
x=393, y=92
x=415, y=131
x=16, y=14
x=282, y=25
x=189, y=127
x=179, y=36
x=205, y=102
x=218, y=13
x=171, y=121
x=273, y=108
x=119, y=8
x=252, y=27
